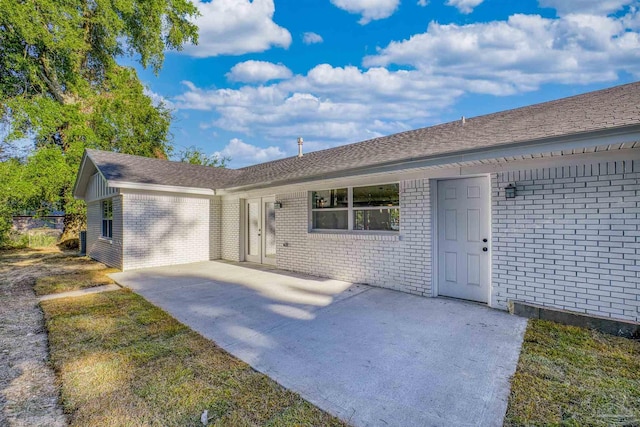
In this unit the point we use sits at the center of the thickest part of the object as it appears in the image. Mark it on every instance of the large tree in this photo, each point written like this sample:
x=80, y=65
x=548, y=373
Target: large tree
x=197, y=156
x=62, y=87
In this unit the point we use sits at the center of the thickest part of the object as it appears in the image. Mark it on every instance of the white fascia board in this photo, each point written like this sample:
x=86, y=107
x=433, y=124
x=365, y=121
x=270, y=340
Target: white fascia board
x=159, y=187
x=629, y=154
x=80, y=173
x=554, y=144
x=85, y=156
x=80, y=177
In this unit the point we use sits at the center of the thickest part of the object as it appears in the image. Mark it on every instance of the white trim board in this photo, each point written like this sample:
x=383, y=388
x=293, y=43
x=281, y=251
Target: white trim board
x=162, y=188
x=555, y=161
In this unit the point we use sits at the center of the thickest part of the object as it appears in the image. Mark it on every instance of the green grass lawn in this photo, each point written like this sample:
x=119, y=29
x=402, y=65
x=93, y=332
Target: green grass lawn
x=73, y=281
x=123, y=362
x=569, y=376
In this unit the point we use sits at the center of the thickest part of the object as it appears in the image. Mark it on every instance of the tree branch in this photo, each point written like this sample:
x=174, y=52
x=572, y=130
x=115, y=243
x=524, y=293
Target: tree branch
x=51, y=80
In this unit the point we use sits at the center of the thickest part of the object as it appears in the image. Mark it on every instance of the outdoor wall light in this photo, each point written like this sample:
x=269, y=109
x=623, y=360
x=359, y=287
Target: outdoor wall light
x=510, y=191
x=277, y=205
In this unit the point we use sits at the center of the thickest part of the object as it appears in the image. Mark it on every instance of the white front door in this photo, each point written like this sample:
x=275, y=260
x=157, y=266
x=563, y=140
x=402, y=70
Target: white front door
x=260, y=229
x=463, y=221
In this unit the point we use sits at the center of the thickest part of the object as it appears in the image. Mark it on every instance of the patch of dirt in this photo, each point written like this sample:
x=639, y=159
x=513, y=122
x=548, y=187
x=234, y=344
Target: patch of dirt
x=28, y=390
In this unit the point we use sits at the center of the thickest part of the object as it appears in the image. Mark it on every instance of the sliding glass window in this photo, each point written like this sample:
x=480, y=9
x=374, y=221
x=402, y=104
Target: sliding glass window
x=370, y=208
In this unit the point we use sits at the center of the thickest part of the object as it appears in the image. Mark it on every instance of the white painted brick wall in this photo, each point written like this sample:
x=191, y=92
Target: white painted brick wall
x=215, y=228
x=401, y=262
x=570, y=239
x=230, y=229
x=164, y=230
x=109, y=253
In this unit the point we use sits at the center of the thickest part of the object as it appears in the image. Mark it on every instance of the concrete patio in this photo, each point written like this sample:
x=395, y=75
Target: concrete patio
x=371, y=356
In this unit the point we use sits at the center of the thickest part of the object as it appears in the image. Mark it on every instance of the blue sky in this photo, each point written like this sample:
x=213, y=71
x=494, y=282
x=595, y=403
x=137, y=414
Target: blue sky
x=343, y=71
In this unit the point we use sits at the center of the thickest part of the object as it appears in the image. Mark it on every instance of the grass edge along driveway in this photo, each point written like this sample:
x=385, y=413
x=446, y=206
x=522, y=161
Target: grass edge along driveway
x=122, y=361
x=570, y=376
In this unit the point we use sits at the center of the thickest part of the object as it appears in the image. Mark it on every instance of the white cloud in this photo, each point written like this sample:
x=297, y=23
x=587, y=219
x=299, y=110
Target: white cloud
x=258, y=72
x=522, y=52
x=565, y=7
x=370, y=10
x=465, y=6
x=311, y=38
x=331, y=105
x=423, y=3
x=243, y=154
x=236, y=27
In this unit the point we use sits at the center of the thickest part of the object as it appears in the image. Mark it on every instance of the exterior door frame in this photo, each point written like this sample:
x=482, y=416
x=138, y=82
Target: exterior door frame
x=261, y=257
x=435, y=223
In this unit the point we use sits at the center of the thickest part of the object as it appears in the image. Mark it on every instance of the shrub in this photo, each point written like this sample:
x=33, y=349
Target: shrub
x=69, y=244
x=37, y=238
x=42, y=237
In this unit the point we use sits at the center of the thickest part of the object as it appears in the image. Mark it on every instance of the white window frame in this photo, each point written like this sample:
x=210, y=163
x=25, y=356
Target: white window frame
x=312, y=210
x=104, y=218
x=350, y=209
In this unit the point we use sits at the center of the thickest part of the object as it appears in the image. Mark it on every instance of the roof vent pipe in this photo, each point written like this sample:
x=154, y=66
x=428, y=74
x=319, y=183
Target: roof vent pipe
x=300, y=141
x=463, y=120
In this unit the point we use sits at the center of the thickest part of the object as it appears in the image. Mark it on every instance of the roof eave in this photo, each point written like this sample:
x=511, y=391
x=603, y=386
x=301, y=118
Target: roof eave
x=78, y=175
x=160, y=187
x=81, y=176
x=610, y=136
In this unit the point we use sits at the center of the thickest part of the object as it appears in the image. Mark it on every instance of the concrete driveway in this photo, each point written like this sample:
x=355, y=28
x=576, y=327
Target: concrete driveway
x=371, y=356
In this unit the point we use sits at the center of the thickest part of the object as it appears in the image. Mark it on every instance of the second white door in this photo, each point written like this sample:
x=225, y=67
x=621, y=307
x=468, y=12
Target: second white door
x=260, y=244
x=463, y=219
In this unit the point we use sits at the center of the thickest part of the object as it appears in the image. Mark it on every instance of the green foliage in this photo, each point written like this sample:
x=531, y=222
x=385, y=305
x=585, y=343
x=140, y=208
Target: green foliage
x=47, y=173
x=60, y=85
x=197, y=156
x=5, y=225
x=64, y=48
x=127, y=121
x=11, y=192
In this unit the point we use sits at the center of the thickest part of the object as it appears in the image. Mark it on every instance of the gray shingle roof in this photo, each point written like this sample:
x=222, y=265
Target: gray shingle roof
x=605, y=109
x=128, y=168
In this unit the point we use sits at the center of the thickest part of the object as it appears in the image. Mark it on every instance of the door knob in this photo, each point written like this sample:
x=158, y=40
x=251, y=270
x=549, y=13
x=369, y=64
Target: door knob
x=485, y=249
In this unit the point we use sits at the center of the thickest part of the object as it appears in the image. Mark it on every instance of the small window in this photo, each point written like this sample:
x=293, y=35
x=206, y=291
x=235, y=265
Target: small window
x=376, y=207
x=107, y=219
x=330, y=209
x=370, y=208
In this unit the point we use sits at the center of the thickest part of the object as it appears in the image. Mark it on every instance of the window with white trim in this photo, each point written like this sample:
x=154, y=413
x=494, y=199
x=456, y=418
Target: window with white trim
x=107, y=219
x=370, y=208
